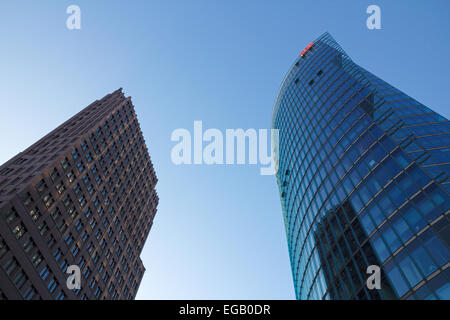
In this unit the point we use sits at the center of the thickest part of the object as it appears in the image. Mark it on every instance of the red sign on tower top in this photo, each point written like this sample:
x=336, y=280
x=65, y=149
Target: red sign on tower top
x=307, y=49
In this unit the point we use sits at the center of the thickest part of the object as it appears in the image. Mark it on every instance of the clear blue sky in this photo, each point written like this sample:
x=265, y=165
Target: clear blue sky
x=219, y=231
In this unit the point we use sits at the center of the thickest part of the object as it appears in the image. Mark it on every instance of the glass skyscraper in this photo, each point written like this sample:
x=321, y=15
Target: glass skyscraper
x=364, y=180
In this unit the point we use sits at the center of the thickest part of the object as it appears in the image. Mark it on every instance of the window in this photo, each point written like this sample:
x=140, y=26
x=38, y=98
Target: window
x=95, y=258
x=29, y=293
x=91, y=189
x=60, y=295
x=54, y=174
x=63, y=266
x=82, y=201
x=92, y=223
x=89, y=159
x=92, y=137
x=3, y=248
x=19, y=230
x=84, y=236
x=436, y=247
x=43, y=228
x=62, y=226
x=36, y=259
x=75, y=250
x=57, y=254
x=44, y=272
x=69, y=239
x=92, y=283
x=11, y=215
x=380, y=247
x=97, y=293
x=71, y=176
x=78, y=225
x=55, y=213
x=41, y=186
x=35, y=214
x=52, y=285
x=81, y=262
x=10, y=266
x=77, y=189
x=88, y=212
x=48, y=200
x=50, y=241
x=401, y=227
x=80, y=166
x=84, y=145
x=67, y=201
x=60, y=187
x=86, y=179
x=105, y=276
x=20, y=279
x=413, y=218
x=28, y=199
x=75, y=154
x=90, y=247
x=87, y=272
x=6, y=171
x=65, y=163
x=409, y=269
x=97, y=149
x=422, y=259
x=98, y=235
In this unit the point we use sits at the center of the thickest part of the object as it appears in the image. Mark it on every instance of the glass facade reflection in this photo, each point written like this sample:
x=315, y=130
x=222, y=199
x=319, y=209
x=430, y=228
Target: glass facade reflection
x=364, y=180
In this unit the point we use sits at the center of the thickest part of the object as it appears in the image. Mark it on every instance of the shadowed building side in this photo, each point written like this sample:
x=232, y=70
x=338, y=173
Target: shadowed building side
x=83, y=195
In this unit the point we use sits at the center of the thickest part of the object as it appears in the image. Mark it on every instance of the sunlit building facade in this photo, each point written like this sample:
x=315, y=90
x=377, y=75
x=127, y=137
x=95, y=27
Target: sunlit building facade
x=364, y=180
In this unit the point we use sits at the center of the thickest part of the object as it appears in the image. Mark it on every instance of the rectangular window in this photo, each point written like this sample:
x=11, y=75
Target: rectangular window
x=19, y=230
x=10, y=266
x=52, y=285
x=75, y=154
x=41, y=186
x=65, y=163
x=20, y=279
x=60, y=296
x=35, y=214
x=29, y=293
x=54, y=174
x=36, y=259
x=48, y=200
x=44, y=272
x=70, y=176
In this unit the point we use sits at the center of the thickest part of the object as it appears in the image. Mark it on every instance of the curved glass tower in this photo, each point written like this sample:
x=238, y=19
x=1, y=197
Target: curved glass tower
x=364, y=180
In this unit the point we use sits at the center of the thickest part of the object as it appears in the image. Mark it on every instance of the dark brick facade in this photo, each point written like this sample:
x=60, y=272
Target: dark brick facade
x=82, y=195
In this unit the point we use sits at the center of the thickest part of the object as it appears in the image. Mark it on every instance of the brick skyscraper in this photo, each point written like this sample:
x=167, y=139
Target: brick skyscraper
x=364, y=180
x=82, y=195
